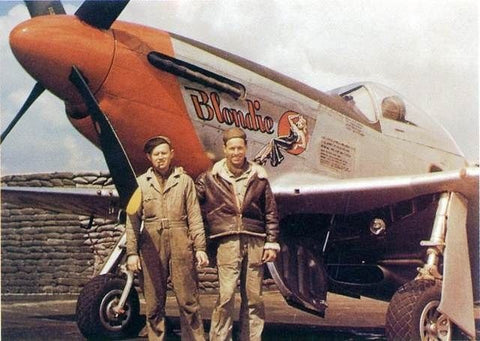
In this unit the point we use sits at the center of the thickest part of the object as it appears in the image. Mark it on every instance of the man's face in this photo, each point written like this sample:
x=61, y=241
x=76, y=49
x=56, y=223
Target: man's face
x=161, y=157
x=235, y=150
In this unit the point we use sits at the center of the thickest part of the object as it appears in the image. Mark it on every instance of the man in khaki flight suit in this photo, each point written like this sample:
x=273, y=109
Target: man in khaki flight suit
x=242, y=217
x=172, y=233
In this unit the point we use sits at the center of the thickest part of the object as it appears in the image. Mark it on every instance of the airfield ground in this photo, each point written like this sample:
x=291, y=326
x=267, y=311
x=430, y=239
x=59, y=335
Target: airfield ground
x=49, y=318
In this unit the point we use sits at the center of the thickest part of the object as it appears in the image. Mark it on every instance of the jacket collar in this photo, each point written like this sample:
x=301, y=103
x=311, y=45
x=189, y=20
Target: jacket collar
x=218, y=169
x=171, y=181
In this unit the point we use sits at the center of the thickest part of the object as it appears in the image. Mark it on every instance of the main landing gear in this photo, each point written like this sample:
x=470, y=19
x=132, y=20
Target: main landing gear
x=413, y=313
x=108, y=307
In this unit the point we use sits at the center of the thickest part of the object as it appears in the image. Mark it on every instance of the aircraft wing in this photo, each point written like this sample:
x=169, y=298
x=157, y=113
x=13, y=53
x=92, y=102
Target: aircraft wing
x=102, y=203
x=311, y=193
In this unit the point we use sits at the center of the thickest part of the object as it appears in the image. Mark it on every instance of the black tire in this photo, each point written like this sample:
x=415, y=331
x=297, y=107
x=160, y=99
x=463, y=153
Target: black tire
x=95, y=318
x=412, y=313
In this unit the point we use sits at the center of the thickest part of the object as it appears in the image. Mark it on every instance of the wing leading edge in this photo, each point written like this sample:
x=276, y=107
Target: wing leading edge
x=101, y=203
x=294, y=194
x=314, y=194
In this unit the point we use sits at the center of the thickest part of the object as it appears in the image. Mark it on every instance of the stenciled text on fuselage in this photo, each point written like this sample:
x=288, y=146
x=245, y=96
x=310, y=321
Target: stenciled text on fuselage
x=207, y=107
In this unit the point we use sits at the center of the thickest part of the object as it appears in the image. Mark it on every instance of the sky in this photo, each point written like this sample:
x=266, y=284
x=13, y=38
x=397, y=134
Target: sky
x=427, y=50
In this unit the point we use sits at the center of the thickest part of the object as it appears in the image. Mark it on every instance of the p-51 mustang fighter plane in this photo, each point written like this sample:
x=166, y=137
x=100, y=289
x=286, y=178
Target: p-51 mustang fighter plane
x=375, y=199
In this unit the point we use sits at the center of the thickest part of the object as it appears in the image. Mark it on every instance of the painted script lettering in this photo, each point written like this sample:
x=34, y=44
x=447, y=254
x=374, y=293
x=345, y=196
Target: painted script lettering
x=209, y=107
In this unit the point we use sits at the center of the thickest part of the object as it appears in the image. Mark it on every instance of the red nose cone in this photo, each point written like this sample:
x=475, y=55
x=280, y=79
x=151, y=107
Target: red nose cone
x=48, y=46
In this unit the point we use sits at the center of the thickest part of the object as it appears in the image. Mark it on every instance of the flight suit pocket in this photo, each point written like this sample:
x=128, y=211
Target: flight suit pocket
x=150, y=207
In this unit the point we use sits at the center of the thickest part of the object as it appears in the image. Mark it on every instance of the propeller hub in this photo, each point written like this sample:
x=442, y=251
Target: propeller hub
x=48, y=46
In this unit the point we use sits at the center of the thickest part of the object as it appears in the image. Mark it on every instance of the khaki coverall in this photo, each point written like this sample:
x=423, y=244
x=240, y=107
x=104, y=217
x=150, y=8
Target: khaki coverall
x=173, y=231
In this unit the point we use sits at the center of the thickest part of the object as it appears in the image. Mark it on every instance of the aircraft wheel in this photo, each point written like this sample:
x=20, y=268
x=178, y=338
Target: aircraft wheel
x=413, y=315
x=95, y=316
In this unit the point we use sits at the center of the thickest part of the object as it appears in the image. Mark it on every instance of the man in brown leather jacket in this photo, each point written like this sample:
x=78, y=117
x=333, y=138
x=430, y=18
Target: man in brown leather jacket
x=172, y=233
x=241, y=215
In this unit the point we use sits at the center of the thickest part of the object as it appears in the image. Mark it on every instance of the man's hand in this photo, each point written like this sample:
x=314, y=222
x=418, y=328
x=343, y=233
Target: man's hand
x=269, y=255
x=133, y=263
x=202, y=258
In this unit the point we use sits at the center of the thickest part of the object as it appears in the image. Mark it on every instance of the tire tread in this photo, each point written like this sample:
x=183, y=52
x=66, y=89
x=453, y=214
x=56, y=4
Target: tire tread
x=401, y=314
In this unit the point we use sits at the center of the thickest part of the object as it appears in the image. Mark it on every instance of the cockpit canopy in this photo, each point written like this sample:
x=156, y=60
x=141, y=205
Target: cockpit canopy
x=378, y=103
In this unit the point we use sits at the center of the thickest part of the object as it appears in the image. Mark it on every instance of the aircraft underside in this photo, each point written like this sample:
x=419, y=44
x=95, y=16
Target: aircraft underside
x=370, y=253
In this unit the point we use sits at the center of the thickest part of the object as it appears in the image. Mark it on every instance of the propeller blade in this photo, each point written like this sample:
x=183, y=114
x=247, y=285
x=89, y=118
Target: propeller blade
x=117, y=161
x=37, y=8
x=36, y=91
x=100, y=14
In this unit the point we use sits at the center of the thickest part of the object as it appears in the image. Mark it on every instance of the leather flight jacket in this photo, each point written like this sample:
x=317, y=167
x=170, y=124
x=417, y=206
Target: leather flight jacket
x=258, y=215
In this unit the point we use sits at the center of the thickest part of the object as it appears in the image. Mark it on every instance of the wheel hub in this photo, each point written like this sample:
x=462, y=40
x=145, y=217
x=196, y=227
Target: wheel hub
x=111, y=311
x=110, y=317
x=433, y=324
